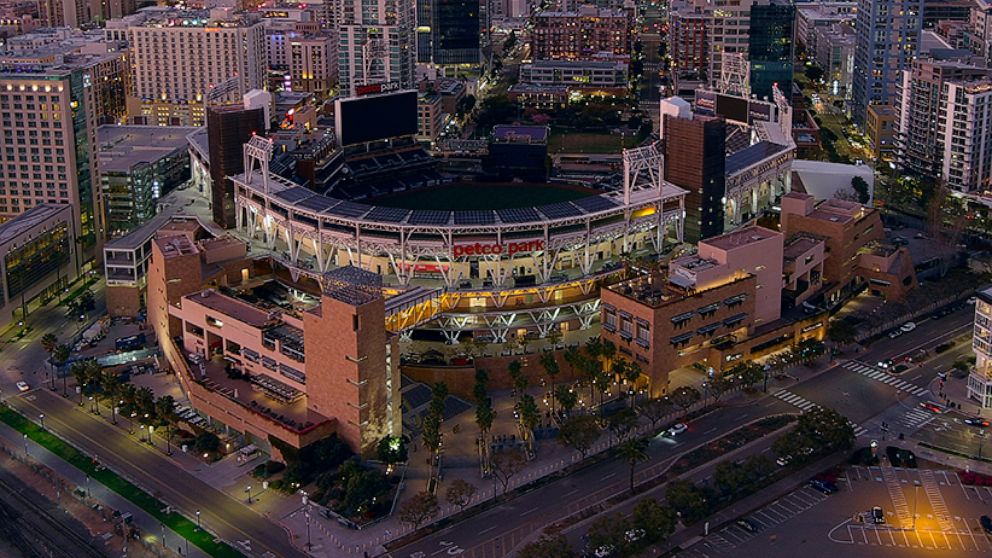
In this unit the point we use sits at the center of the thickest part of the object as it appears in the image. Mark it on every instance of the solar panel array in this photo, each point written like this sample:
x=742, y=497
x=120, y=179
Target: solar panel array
x=592, y=204
x=475, y=217
x=293, y=195
x=429, y=217
x=559, y=210
x=317, y=203
x=350, y=209
x=518, y=215
x=387, y=214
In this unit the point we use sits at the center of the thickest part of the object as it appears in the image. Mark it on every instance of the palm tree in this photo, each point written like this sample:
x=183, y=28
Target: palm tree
x=633, y=451
x=550, y=365
x=48, y=342
x=60, y=354
x=165, y=411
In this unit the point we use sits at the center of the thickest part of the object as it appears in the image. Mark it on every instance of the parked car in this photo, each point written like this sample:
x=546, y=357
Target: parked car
x=823, y=486
x=634, y=535
x=908, y=326
x=784, y=460
x=895, y=333
x=976, y=421
x=986, y=522
x=23, y=386
x=677, y=429
x=748, y=525
x=972, y=299
x=885, y=364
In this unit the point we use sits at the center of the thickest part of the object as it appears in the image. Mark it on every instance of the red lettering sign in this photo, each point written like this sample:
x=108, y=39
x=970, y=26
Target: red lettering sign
x=509, y=248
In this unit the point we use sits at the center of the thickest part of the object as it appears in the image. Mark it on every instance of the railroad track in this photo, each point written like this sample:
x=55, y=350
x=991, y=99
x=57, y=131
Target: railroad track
x=35, y=532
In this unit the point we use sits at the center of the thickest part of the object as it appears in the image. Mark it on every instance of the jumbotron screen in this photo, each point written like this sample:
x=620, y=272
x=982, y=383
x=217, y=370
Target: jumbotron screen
x=732, y=108
x=376, y=117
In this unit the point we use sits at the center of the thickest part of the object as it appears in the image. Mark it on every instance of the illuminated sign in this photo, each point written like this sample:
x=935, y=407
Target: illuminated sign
x=508, y=248
x=373, y=88
x=811, y=327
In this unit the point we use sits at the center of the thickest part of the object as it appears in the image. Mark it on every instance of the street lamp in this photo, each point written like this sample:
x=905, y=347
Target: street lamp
x=130, y=425
x=41, y=418
x=25, y=445
x=151, y=430
x=306, y=513
x=916, y=498
x=248, y=492
x=163, y=533
x=198, y=519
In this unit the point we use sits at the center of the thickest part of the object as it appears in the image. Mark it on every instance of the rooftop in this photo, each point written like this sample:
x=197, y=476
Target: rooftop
x=799, y=245
x=516, y=133
x=230, y=306
x=13, y=229
x=176, y=246
x=136, y=238
x=752, y=154
x=740, y=237
x=124, y=147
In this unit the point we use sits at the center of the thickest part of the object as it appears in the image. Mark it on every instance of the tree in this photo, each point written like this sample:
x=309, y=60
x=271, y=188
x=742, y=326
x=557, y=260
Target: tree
x=566, y=398
x=622, y=424
x=484, y=416
x=465, y=105
x=633, y=452
x=551, y=368
x=60, y=355
x=861, y=188
x=748, y=373
x=813, y=73
x=460, y=493
x=48, y=342
x=420, y=508
x=481, y=389
x=510, y=42
x=656, y=409
x=548, y=546
x=720, y=385
x=520, y=381
x=609, y=531
x=657, y=521
x=206, y=442
x=730, y=477
x=505, y=464
x=841, y=332
x=579, y=432
x=690, y=501
x=392, y=450
x=685, y=397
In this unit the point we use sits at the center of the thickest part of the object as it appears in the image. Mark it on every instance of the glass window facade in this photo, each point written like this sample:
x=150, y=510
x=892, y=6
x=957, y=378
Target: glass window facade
x=771, y=46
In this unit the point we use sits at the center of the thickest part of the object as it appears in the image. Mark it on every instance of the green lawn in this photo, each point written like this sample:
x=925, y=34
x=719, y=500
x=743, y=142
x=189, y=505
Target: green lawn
x=482, y=196
x=184, y=527
x=584, y=142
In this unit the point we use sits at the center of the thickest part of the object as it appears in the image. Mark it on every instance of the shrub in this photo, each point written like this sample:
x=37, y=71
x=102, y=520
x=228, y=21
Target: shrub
x=943, y=347
x=273, y=467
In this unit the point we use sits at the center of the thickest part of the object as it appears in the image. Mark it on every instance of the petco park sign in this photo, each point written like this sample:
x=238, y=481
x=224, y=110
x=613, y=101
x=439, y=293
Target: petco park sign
x=508, y=248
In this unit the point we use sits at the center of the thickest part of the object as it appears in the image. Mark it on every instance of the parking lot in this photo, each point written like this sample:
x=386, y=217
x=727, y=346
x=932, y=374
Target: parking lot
x=926, y=511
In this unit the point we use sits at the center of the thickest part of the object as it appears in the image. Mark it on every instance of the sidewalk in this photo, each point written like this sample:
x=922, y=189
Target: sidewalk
x=150, y=526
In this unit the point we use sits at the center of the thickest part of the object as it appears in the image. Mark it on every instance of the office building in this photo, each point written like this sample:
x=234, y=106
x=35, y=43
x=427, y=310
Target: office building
x=771, y=46
x=943, y=131
x=136, y=166
x=228, y=129
x=834, y=52
x=209, y=53
x=705, y=309
x=377, y=43
x=811, y=16
x=430, y=117
x=48, y=132
x=285, y=371
x=980, y=378
x=695, y=159
x=40, y=258
x=585, y=34
x=888, y=35
x=448, y=32
x=577, y=74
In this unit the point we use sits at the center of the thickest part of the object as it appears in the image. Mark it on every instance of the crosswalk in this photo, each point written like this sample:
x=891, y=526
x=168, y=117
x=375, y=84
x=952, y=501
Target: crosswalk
x=916, y=418
x=804, y=405
x=880, y=376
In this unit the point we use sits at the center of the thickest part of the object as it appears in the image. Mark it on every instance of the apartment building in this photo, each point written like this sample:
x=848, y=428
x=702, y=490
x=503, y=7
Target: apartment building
x=581, y=35
x=943, y=116
x=180, y=57
x=577, y=74
x=834, y=52
x=882, y=127
x=430, y=117
x=888, y=36
x=377, y=43
x=688, y=25
x=980, y=379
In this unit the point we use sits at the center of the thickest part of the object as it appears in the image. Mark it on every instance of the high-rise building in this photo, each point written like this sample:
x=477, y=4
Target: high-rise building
x=695, y=159
x=942, y=131
x=888, y=36
x=179, y=57
x=48, y=134
x=377, y=43
x=770, y=46
x=448, y=33
x=228, y=129
x=581, y=35
x=980, y=379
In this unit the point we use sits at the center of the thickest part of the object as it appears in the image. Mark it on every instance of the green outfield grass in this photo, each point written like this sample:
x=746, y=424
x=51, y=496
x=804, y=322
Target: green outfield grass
x=464, y=197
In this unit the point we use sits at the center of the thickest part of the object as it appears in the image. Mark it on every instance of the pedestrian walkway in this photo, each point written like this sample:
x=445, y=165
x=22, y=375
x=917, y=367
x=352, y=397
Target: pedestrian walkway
x=805, y=405
x=879, y=375
x=916, y=419
x=899, y=503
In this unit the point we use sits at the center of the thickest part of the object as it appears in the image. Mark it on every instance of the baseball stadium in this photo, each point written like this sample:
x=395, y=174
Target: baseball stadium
x=487, y=261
